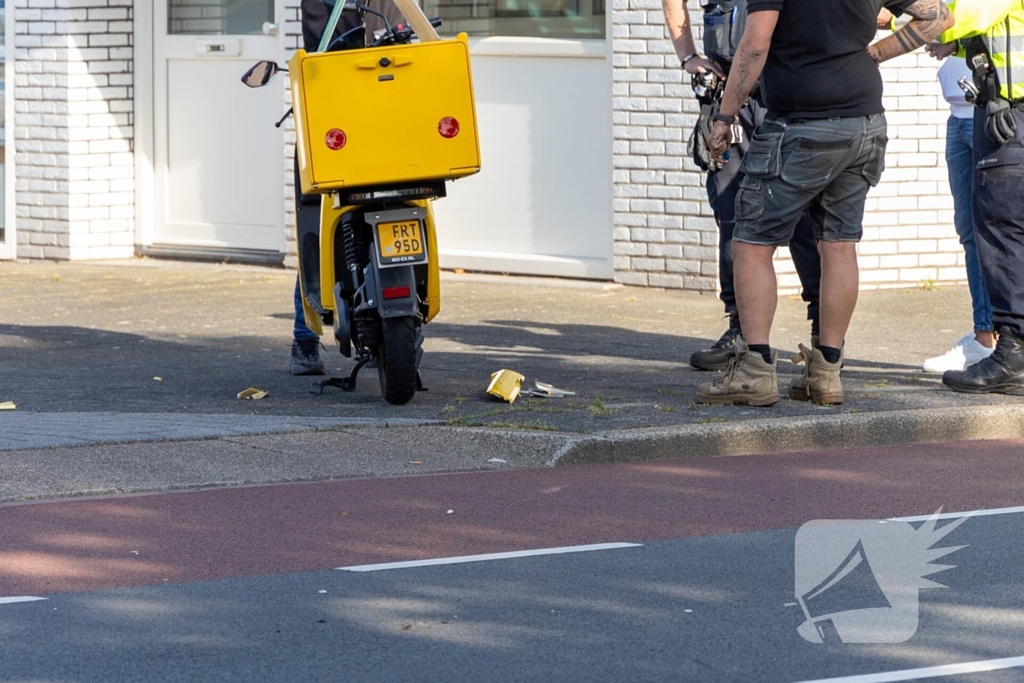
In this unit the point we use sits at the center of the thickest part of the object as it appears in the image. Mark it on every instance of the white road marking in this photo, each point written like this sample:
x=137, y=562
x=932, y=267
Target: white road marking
x=19, y=598
x=957, y=515
x=488, y=557
x=929, y=672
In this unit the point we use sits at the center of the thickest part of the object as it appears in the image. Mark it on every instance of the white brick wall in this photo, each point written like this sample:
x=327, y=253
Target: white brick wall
x=73, y=122
x=292, y=41
x=665, y=234
x=75, y=184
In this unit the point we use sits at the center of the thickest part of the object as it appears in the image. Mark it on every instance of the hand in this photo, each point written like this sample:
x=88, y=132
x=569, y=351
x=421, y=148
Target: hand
x=702, y=65
x=1000, y=125
x=884, y=20
x=940, y=50
x=874, y=53
x=721, y=140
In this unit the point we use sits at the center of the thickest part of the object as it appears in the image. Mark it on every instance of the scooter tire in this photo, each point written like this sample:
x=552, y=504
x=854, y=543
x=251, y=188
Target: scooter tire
x=397, y=360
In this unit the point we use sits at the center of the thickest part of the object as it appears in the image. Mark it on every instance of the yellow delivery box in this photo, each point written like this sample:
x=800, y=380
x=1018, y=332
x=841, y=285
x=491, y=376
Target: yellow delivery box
x=384, y=116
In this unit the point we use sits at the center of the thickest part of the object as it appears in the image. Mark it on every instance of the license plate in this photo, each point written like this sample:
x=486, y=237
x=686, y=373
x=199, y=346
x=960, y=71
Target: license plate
x=400, y=242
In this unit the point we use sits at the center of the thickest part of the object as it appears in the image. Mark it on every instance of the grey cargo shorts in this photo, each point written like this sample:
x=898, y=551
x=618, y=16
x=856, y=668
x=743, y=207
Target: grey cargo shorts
x=826, y=164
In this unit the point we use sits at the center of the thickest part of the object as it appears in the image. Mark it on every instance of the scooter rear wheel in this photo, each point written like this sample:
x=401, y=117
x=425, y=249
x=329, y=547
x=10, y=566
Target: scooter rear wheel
x=396, y=357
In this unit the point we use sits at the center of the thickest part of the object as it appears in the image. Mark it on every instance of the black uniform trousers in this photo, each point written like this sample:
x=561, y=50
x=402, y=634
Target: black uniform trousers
x=723, y=187
x=999, y=220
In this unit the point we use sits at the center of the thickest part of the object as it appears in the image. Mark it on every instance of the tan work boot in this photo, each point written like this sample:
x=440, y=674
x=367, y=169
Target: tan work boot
x=747, y=381
x=820, y=382
x=798, y=388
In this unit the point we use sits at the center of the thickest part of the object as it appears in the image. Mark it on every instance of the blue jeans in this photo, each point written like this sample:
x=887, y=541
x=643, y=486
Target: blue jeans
x=960, y=162
x=300, y=332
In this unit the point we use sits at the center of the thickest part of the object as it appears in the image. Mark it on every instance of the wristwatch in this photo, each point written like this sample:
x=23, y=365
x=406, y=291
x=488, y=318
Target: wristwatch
x=719, y=116
x=688, y=57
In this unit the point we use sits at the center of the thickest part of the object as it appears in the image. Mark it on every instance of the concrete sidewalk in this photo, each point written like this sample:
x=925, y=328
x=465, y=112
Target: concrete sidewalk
x=82, y=346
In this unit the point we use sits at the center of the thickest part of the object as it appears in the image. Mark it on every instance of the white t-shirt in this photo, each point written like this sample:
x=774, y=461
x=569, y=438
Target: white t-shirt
x=953, y=69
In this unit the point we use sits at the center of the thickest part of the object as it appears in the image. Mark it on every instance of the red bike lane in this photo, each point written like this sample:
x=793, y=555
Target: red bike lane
x=91, y=544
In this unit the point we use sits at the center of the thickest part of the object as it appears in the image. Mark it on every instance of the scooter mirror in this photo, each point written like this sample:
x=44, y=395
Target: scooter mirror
x=260, y=74
x=351, y=6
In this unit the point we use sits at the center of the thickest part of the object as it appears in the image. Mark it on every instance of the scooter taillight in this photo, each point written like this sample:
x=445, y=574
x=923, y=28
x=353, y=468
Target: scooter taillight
x=335, y=139
x=395, y=292
x=448, y=127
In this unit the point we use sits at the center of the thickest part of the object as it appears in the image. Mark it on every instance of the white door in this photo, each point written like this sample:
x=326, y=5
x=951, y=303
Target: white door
x=542, y=203
x=218, y=160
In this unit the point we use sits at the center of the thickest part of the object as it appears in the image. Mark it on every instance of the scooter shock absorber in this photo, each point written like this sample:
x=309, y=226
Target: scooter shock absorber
x=356, y=241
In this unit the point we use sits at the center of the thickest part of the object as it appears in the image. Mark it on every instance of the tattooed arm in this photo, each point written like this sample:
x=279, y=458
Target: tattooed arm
x=746, y=69
x=930, y=19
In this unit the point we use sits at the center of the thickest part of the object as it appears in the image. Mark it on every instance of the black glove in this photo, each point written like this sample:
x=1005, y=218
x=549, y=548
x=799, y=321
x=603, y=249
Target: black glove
x=1000, y=126
x=698, y=146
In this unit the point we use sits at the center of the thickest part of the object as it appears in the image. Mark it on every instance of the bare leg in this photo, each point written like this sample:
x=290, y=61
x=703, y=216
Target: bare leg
x=986, y=338
x=756, y=289
x=839, y=282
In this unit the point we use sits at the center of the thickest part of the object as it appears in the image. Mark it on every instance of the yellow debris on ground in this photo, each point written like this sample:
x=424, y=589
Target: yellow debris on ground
x=505, y=384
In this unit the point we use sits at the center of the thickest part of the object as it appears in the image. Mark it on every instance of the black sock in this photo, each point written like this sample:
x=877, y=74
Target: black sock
x=831, y=354
x=763, y=349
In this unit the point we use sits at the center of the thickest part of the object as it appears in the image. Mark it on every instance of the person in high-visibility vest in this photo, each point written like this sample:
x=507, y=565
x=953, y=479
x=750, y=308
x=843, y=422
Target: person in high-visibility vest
x=991, y=35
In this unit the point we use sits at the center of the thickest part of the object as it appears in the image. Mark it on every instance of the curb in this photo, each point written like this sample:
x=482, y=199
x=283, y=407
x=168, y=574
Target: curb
x=788, y=435
x=380, y=451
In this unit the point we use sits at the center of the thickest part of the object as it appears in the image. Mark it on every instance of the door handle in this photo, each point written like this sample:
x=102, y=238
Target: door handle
x=269, y=29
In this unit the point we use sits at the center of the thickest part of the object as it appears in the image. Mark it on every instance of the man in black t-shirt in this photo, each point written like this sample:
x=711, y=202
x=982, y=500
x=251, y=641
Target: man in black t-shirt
x=822, y=146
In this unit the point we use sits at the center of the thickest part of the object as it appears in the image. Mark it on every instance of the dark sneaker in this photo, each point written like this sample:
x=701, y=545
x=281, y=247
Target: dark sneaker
x=722, y=351
x=1000, y=373
x=305, y=358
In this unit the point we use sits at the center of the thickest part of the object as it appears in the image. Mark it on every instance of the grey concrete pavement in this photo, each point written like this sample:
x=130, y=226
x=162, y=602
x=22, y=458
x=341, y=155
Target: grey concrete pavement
x=23, y=430
x=83, y=346
x=268, y=458
x=92, y=338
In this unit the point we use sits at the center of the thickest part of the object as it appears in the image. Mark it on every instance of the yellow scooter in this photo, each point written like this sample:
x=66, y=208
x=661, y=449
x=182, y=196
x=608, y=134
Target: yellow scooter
x=380, y=130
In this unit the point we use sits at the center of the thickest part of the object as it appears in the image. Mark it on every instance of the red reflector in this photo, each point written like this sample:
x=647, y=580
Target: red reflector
x=396, y=292
x=448, y=127
x=335, y=139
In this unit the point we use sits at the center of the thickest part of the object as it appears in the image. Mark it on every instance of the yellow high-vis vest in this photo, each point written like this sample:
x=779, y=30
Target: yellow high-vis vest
x=1000, y=23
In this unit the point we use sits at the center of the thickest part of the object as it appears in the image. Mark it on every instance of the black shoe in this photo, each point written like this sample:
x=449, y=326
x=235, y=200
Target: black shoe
x=1000, y=373
x=305, y=358
x=722, y=351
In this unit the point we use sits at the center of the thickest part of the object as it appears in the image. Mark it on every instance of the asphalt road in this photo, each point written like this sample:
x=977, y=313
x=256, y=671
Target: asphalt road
x=242, y=584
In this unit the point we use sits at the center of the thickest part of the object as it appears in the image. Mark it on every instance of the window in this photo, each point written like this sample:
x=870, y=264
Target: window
x=532, y=18
x=218, y=17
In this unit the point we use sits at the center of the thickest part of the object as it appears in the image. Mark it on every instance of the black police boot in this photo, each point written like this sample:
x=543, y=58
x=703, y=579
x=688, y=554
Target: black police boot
x=1000, y=373
x=722, y=351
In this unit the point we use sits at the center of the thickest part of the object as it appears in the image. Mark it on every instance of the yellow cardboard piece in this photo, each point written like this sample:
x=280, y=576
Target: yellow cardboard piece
x=7, y=405
x=505, y=384
x=252, y=393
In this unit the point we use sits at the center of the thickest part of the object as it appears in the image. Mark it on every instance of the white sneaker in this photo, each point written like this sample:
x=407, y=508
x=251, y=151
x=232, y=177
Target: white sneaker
x=964, y=354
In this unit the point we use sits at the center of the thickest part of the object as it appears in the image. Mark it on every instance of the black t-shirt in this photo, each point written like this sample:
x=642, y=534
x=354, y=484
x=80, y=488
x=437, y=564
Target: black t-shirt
x=817, y=65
